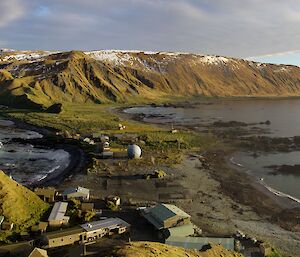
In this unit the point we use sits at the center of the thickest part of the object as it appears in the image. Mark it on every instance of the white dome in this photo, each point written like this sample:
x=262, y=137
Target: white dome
x=134, y=151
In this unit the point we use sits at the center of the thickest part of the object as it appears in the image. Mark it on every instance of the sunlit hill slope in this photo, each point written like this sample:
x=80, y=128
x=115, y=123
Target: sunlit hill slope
x=40, y=78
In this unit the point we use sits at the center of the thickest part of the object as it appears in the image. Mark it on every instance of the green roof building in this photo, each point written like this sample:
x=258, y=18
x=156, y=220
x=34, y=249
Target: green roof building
x=164, y=216
x=198, y=242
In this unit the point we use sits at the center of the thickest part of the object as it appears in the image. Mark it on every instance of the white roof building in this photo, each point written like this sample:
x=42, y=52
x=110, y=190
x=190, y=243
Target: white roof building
x=76, y=193
x=57, y=216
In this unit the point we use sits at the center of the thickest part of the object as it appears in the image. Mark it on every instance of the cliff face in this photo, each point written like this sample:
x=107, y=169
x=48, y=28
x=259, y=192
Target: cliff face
x=35, y=79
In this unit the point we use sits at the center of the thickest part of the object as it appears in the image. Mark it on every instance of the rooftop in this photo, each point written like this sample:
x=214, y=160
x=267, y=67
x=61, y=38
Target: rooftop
x=79, y=189
x=180, y=231
x=64, y=232
x=199, y=242
x=38, y=252
x=58, y=211
x=161, y=212
x=110, y=223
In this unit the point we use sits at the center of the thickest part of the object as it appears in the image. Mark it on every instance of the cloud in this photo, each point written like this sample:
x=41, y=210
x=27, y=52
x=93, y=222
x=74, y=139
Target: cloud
x=10, y=10
x=228, y=27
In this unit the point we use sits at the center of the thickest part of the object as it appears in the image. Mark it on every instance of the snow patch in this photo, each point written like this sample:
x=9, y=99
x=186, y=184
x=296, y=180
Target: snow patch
x=282, y=69
x=27, y=55
x=214, y=60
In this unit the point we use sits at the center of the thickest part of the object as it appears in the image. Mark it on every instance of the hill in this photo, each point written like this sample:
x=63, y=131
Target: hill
x=146, y=249
x=18, y=204
x=39, y=79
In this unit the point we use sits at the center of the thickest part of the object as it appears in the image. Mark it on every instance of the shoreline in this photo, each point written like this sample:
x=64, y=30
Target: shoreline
x=77, y=157
x=284, y=200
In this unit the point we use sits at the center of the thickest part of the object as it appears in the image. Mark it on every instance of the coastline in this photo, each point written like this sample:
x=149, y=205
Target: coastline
x=77, y=157
x=283, y=200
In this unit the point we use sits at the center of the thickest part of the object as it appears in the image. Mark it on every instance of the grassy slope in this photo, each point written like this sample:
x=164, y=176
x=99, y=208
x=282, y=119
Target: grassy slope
x=18, y=204
x=145, y=249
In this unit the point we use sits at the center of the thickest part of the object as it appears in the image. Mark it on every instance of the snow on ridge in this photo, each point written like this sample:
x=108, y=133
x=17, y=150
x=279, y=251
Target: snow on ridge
x=135, y=52
x=120, y=56
x=215, y=60
x=6, y=50
x=132, y=57
x=117, y=57
x=27, y=55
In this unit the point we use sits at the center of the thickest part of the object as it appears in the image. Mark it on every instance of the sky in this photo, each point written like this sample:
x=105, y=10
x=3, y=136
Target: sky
x=261, y=30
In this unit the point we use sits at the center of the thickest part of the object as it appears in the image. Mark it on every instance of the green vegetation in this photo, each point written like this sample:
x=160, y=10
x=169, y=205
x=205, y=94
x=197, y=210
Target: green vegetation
x=78, y=118
x=157, y=143
x=19, y=205
x=145, y=249
x=77, y=216
x=112, y=206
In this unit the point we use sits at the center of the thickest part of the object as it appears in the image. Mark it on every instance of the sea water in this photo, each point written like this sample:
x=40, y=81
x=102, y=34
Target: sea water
x=24, y=162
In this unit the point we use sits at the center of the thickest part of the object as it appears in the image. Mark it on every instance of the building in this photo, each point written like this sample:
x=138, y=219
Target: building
x=38, y=252
x=63, y=237
x=17, y=249
x=47, y=194
x=198, y=242
x=57, y=216
x=265, y=249
x=39, y=228
x=85, y=233
x=79, y=193
x=164, y=216
x=86, y=207
x=180, y=231
x=97, y=229
x=107, y=155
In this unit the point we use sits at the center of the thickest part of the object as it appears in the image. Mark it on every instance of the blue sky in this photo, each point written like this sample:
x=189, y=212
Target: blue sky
x=269, y=30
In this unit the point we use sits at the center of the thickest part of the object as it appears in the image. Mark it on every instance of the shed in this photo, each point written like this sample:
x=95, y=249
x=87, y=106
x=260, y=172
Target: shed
x=38, y=252
x=107, y=154
x=40, y=228
x=47, y=194
x=57, y=216
x=265, y=249
x=79, y=193
x=166, y=216
x=180, y=231
x=198, y=242
x=85, y=207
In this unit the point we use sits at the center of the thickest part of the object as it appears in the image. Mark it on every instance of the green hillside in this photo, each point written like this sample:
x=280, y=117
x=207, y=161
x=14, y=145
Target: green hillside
x=18, y=204
x=145, y=249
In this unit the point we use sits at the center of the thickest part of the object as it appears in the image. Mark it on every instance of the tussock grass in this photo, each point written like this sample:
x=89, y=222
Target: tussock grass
x=145, y=249
x=18, y=204
x=80, y=118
